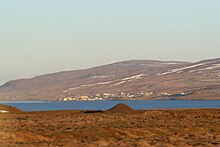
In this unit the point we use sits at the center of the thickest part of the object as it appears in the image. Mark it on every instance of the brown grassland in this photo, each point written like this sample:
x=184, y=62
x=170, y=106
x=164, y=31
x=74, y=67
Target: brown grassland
x=120, y=126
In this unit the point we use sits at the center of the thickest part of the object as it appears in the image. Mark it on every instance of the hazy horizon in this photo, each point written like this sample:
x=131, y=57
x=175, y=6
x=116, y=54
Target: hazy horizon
x=46, y=36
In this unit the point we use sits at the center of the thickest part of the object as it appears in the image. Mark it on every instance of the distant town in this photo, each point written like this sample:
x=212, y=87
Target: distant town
x=117, y=96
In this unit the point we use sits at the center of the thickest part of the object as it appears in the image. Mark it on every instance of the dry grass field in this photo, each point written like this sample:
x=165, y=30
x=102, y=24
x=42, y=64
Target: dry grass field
x=120, y=126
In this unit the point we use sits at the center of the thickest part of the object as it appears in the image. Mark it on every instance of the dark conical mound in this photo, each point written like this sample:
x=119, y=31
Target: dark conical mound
x=121, y=108
x=9, y=109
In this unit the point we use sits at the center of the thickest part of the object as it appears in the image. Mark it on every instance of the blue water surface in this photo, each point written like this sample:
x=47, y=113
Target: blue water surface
x=104, y=105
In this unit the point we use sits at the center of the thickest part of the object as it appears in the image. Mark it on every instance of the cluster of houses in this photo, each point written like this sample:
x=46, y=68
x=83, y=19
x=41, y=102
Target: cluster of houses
x=117, y=96
x=104, y=96
x=79, y=98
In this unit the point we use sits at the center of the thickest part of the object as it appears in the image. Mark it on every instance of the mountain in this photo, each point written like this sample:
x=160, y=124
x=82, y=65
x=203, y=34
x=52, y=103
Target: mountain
x=136, y=79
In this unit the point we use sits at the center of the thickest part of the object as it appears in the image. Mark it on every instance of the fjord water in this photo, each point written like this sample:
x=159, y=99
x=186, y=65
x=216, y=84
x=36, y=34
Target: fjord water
x=104, y=105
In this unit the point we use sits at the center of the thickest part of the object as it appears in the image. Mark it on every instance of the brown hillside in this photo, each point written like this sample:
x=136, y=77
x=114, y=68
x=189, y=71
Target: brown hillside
x=139, y=79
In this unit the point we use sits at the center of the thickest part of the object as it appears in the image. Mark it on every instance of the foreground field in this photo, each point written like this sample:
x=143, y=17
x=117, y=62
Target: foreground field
x=117, y=127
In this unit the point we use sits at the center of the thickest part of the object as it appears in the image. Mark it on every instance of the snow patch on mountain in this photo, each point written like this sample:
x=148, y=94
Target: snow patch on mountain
x=95, y=77
x=121, y=82
x=171, y=63
x=88, y=85
x=211, y=67
x=130, y=79
x=134, y=77
x=180, y=70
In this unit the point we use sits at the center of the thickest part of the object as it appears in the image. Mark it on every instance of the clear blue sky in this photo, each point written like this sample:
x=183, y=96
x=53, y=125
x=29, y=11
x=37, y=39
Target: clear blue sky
x=43, y=36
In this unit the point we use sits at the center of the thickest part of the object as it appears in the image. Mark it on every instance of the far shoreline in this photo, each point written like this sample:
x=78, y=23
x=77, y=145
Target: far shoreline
x=30, y=106
x=27, y=101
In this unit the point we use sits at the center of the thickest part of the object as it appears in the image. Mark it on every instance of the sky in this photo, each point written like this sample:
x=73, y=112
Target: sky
x=45, y=36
